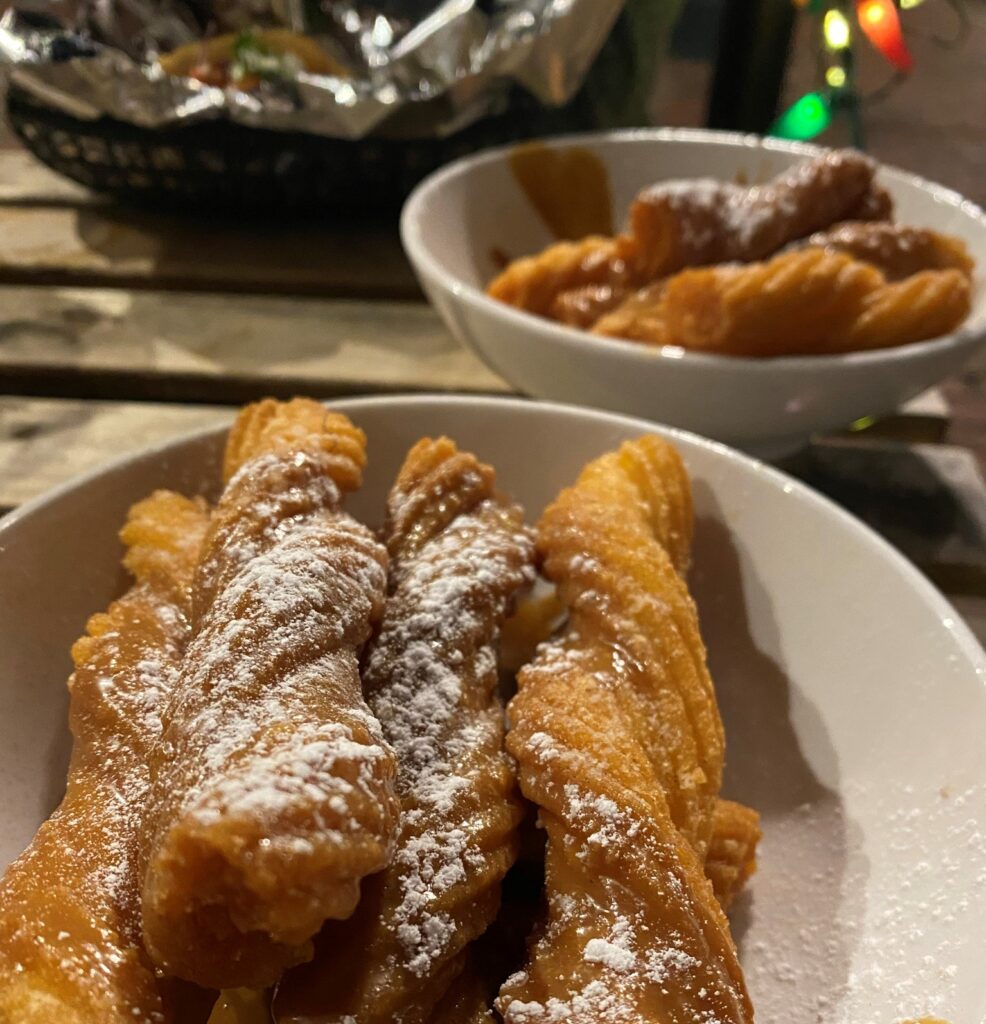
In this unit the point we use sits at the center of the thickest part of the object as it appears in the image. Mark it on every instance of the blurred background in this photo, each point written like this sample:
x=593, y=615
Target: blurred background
x=930, y=120
x=903, y=79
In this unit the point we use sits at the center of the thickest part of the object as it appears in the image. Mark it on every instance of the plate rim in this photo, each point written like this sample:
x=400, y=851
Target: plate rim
x=949, y=619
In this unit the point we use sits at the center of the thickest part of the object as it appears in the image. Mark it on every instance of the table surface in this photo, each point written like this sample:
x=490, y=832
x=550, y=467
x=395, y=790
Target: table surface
x=121, y=328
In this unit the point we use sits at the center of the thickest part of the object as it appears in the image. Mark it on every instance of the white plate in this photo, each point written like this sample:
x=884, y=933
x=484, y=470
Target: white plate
x=853, y=696
x=456, y=220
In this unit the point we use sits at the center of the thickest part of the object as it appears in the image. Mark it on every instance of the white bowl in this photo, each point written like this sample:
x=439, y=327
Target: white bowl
x=460, y=216
x=853, y=696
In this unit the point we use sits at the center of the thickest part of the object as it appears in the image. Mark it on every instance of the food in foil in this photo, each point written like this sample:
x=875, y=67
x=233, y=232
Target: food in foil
x=245, y=59
x=406, y=68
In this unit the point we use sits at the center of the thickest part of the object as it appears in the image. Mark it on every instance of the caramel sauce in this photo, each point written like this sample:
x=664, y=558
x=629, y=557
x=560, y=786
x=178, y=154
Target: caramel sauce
x=569, y=188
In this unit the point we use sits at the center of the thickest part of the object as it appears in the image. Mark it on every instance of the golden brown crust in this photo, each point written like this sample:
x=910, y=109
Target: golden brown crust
x=534, y=283
x=876, y=204
x=70, y=947
x=583, y=305
x=802, y=302
x=896, y=251
x=634, y=932
x=638, y=317
x=163, y=538
x=459, y=557
x=618, y=741
x=925, y=305
x=732, y=857
x=624, y=532
x=281, y=428
x=695, y=223
x=273, y=791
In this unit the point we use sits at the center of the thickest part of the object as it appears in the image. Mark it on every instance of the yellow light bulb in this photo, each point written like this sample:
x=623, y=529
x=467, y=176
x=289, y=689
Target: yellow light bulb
x=873, y=13
x=836, y=77
x=836, y=30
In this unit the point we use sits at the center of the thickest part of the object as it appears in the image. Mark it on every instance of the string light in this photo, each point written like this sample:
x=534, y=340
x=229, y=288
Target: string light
x=836, y=77
x=881, y=25
x=879, y=21
x=805, y=118
x=836, y=29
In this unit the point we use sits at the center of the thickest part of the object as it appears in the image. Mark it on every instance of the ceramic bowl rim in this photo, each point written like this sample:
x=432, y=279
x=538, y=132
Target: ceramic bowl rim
x=792, y=488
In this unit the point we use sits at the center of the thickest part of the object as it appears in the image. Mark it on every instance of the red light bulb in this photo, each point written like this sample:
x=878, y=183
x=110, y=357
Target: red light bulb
x=881, y=25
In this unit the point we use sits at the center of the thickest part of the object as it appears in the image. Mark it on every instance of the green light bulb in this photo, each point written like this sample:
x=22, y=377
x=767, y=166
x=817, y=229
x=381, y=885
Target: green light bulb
x=804, y=119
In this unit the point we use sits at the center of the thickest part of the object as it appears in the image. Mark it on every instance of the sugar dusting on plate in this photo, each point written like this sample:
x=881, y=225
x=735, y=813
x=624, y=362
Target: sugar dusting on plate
x=848, y=935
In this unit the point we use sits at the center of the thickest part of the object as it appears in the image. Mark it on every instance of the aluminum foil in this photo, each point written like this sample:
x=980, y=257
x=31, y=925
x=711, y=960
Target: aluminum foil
x=413, y=68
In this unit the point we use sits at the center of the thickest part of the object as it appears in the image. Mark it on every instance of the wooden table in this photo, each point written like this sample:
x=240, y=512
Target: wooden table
x=120, y=328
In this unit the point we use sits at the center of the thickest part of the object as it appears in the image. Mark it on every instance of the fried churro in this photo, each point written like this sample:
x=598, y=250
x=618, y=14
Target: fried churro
x=803, y=302
x=460, y=554
x=618, y=740
x=731, y=859
x=690, y=223
x=693, y=223
x=895, y=250
x=272, y=789
x=70, y=948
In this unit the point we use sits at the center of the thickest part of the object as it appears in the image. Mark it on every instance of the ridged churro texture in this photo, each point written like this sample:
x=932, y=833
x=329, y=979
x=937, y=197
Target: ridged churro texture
x=618, y=740
x=272, y=790
x=802, y=302
x=732, y=850
x=70, y=949
x=594, y=272
x=460, y=555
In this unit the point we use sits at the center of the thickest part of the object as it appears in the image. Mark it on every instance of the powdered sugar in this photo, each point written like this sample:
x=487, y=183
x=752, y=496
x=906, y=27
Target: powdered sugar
x=431, y=678
x=268, y=497
x=617, y=956
x=866, y=904
x=634, y=955
x=721, y=222
x=595, y=1001
x=663, y=963
x=270, y=758
x=321, y=583
x=611, y=985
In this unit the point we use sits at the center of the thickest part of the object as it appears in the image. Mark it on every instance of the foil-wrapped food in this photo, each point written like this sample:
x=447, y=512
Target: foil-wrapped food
x=339, y=68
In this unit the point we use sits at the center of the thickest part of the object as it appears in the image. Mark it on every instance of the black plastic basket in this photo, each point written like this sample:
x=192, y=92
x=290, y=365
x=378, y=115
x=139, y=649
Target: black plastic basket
x=223, y=166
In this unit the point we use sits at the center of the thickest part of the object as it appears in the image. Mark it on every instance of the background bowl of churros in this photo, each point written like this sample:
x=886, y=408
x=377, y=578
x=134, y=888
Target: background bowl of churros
x=752, y=290
x=294, y=795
